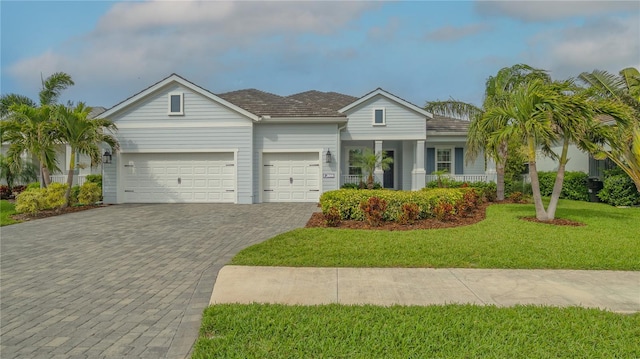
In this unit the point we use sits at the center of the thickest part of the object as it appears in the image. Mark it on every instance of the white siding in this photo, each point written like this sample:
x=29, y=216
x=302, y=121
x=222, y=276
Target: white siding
x=401, y=122
x=298, y=138
x=472, y=168
x=206, y=126
x=198, y=111
x=578, y=160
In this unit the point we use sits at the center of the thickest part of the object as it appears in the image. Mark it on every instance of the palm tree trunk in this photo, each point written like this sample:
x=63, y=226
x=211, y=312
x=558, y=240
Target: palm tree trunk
x=501, y=164
x=557, y=186
x=541, y=214
x=46, y=176
x=72, y=165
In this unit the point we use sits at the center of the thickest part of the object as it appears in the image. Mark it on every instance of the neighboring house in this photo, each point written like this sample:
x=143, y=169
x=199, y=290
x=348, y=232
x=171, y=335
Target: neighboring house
x=182, y=143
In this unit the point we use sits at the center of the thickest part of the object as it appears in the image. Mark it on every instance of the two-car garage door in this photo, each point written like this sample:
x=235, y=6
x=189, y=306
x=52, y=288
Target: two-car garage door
x=179, y=177
x=291, y=177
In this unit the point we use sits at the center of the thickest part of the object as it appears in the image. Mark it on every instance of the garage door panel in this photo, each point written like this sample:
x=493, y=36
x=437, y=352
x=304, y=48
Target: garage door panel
x=188, y=177
x=291, y=177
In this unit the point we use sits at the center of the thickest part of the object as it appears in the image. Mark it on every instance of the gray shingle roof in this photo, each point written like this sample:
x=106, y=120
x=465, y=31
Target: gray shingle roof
x=304, y=104
x=447, y=124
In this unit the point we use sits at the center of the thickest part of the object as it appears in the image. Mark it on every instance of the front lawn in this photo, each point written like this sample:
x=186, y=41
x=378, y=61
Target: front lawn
x=451, y=331
x=6, y=210
x=608, y=241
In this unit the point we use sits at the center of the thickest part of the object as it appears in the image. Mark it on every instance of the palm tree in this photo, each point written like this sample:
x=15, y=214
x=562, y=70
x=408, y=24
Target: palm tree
x=20, y=113
x=83, y=135
x=619, y=139
x=368, y=161
x=11, y=172
x=481, y=137
x=29, y=129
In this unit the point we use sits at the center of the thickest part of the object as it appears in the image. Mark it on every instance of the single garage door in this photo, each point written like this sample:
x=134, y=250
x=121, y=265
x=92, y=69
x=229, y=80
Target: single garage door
x=290, y=177
x=179, y=178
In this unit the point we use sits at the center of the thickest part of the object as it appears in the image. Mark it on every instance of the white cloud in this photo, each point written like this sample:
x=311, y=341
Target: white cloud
x=533, y=11
x=604, y=43
x=150, y=40
x=452, y=33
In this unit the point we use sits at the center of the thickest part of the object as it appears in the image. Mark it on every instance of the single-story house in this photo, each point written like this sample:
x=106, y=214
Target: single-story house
x=182, y=143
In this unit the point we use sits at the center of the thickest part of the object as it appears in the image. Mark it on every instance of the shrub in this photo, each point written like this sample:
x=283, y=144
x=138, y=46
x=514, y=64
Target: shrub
x=410, y=213
x=444, y=211
x=31, y=201
x=523, y=187
x=373, y=210
x=90, y=193
x=516, y=197
x=95, y=179
x=619, y=190
x=469, y=202
x=54, y=197
x=332, y=217
x=486, y=191
x=73, y=196
x=574, y=185
x=18, y=189
x=33, y=185
x=5, y=192
x=347, y=201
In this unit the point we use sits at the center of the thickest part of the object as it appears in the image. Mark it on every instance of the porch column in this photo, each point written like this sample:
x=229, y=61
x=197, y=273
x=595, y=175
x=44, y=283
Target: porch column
x=378, y=173
x=418, y=175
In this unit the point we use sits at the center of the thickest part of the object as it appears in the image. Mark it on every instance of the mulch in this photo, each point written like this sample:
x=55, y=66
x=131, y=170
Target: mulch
x=477, y=215
x=53, y=212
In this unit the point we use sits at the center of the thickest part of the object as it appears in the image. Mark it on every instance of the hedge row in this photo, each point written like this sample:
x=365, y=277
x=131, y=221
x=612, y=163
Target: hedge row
x=347, y=201
x=574, y=185
x=35, y=199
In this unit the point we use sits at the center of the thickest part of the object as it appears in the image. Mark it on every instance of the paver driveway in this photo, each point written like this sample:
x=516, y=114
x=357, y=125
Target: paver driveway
x=122, y=281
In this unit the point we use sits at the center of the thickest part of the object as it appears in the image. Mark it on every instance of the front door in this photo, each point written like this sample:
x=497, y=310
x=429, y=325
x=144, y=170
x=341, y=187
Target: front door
x=387, y=176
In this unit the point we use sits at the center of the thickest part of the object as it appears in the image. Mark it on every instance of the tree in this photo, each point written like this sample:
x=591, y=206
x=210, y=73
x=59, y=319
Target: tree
x=368, y=161
x=21, y=113
x=542, y=114
x=29, y=129
x=481, y=136
x=11, y=172
x=619, y=136
x=83, y=135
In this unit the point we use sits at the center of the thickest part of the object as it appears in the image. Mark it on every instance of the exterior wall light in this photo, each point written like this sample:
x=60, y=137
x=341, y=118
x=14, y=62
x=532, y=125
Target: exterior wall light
x=328, y=156
x=106, y=157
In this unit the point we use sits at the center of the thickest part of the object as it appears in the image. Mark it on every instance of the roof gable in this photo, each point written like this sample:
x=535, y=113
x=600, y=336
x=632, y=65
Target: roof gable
x=380, y=92
x=174, y=78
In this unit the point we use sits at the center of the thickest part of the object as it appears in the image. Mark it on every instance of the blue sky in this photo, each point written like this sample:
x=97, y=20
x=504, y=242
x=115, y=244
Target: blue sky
x=417, y=50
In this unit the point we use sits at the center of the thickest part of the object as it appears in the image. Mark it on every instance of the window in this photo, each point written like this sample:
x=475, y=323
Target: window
x=379, y=116
x=176, y=104
x=443, y=160
x=354, y=170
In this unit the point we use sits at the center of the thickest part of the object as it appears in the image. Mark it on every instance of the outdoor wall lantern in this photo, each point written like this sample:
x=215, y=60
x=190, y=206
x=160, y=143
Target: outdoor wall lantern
x=328, y=156
x=106, y=157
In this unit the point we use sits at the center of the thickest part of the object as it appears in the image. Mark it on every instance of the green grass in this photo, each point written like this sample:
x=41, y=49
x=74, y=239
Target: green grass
x=452, y=331
x=608, y=241
x=6, y=209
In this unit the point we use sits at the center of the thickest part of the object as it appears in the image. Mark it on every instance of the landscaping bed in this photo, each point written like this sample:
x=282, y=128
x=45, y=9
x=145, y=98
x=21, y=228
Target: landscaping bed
x=53, y=212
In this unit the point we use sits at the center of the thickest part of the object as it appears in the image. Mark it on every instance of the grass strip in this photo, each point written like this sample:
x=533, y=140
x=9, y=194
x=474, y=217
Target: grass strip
x=451, y=331
x=6, y=210
x=609, y=241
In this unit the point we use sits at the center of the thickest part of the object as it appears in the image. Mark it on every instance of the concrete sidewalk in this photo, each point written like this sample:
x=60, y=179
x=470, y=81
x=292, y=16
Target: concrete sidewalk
x=617, y=291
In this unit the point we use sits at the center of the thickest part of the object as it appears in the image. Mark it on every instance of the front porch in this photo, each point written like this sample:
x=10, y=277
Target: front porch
x=414, y=162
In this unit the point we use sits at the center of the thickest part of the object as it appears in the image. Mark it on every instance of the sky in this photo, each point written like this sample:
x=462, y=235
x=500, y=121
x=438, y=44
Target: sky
x=418, y=50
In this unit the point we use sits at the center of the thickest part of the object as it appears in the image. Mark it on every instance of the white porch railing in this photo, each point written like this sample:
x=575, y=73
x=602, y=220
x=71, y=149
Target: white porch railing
x=78, y=179
x=464, y=178
x=351, y=179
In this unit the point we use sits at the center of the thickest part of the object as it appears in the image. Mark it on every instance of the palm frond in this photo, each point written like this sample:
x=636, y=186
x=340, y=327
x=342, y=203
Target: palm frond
x=53, y=86
x=607, y=84
x=453, y=108
x=12, y=99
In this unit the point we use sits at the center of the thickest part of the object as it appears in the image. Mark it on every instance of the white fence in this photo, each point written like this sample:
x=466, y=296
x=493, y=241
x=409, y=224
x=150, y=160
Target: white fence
x=77, y=179
x=351, y=179
x=464, y=178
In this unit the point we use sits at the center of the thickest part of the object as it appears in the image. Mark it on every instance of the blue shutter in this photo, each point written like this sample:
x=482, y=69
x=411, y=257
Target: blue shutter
x=459, y=159
x=431, y=160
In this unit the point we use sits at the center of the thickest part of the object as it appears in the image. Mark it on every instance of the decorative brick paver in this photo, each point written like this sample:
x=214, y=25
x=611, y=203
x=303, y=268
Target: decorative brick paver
x=126, y=281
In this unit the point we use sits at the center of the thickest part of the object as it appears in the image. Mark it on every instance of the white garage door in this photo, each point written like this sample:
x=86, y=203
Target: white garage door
x=179, y=177
x=290, y=177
